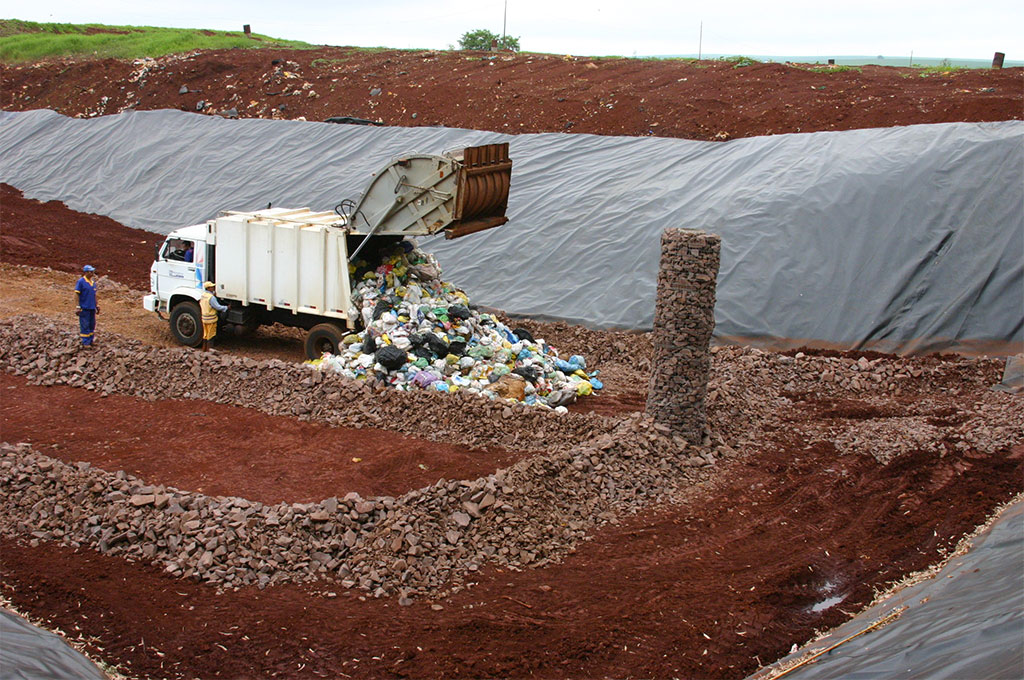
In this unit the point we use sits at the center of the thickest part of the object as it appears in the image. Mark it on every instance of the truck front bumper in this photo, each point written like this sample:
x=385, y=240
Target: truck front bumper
x=151, y=303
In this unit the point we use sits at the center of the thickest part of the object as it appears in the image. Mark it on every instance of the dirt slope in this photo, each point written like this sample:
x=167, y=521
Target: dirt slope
x=49, y=235
x=520, y=93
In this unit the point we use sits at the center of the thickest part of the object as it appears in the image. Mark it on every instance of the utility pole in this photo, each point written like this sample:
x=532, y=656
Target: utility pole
x=700, y=41
x=504, y=24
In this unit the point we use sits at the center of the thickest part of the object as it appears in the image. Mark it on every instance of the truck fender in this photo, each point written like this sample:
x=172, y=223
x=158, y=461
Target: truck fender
x=182, y=293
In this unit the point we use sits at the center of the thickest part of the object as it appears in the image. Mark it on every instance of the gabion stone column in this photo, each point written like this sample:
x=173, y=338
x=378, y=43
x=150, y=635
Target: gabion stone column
x=684, y=316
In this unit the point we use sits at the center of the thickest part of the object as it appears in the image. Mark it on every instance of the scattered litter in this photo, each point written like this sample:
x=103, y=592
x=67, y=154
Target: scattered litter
x=421, y=333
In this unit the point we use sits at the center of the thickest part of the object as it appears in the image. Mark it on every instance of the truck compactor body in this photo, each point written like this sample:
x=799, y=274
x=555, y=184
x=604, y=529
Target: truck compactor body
x=291, y=266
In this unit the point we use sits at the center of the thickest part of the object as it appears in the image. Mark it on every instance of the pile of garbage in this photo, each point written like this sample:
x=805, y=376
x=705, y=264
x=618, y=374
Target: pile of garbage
x=420, y=333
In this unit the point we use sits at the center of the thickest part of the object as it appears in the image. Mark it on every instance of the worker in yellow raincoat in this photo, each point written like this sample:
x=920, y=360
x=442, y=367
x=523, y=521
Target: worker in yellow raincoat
x=209, y=306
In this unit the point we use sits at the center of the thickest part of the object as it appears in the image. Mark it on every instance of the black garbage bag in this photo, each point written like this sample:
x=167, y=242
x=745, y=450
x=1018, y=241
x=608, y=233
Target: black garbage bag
x=369, y=343
x=422, y=352
x=382, y=306
x=390, y=357
x=530, y=373
x=523, y=335
x=385, y=304
x=458, y=312
x=457, y=347
x=436, y=345
x=417, y=339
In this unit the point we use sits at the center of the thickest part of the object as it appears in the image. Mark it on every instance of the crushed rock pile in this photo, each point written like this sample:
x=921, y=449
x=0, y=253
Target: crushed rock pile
x=49, y=354
x=429, y=539
x=421, y=333
x=600, y=347
x=882, y=406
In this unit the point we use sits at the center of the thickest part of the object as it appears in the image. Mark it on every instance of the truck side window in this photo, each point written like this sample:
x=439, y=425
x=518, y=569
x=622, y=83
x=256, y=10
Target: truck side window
x=179, y=250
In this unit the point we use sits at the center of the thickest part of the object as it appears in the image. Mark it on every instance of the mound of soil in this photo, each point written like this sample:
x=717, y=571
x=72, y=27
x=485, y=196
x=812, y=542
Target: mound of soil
x=516, y=93
x=51, y=235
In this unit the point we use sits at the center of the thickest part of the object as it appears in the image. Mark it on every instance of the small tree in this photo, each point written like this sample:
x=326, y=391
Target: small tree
x=481, y=39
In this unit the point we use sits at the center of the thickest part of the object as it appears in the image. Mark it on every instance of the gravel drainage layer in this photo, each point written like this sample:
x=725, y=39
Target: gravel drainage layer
x=528, y=514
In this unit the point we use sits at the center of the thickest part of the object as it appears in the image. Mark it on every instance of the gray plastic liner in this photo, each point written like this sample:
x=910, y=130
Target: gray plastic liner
x=966, y=622
x=900, y=239
x=1013, y=376
x=31, y=653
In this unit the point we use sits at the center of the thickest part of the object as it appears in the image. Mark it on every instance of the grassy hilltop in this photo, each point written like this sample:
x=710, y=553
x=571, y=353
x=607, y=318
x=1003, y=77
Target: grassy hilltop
x=30, y=41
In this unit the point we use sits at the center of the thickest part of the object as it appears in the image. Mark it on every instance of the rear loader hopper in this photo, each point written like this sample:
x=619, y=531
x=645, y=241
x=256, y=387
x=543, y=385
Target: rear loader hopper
x=460, y=192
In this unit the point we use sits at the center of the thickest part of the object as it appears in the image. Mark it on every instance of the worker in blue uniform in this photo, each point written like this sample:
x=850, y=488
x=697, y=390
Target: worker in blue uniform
x=85, y=301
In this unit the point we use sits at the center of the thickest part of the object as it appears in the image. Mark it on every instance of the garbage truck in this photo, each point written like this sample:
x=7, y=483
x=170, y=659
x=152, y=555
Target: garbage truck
x=292, y=266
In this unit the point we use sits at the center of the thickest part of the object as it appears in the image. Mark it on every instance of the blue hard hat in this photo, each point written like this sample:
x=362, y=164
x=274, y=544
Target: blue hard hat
x=88, y=268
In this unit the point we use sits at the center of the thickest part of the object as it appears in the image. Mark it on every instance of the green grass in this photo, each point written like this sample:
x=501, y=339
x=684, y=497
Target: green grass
x=740, y=61
x=941, y=69
x=819, y=68
x=31, y=41
x=327, y=63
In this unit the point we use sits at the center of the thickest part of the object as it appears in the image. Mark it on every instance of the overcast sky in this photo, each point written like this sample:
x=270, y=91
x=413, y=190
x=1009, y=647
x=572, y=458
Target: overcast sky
x=937, y=28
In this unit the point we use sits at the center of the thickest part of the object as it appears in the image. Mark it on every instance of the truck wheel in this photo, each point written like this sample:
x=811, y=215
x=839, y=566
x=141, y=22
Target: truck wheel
x=187, y=323
x=325, y=337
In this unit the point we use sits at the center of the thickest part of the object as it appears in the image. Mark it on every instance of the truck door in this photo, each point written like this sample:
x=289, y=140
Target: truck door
x=177, y=267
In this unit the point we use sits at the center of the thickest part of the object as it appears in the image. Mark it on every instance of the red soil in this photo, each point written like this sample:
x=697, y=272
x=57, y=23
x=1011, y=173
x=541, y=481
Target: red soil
x=699, y=590
x=224, y=450
x=51, y=235
x=708, y=100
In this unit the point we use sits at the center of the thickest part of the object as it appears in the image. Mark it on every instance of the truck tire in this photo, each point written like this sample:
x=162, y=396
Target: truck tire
x=187, y=323
x=325, y=337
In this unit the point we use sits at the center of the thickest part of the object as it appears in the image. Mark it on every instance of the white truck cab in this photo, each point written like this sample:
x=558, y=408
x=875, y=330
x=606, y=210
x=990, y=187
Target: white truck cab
x=180, y=264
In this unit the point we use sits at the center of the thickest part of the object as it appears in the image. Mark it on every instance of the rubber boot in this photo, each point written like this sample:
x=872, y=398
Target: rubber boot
x=206, y=345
